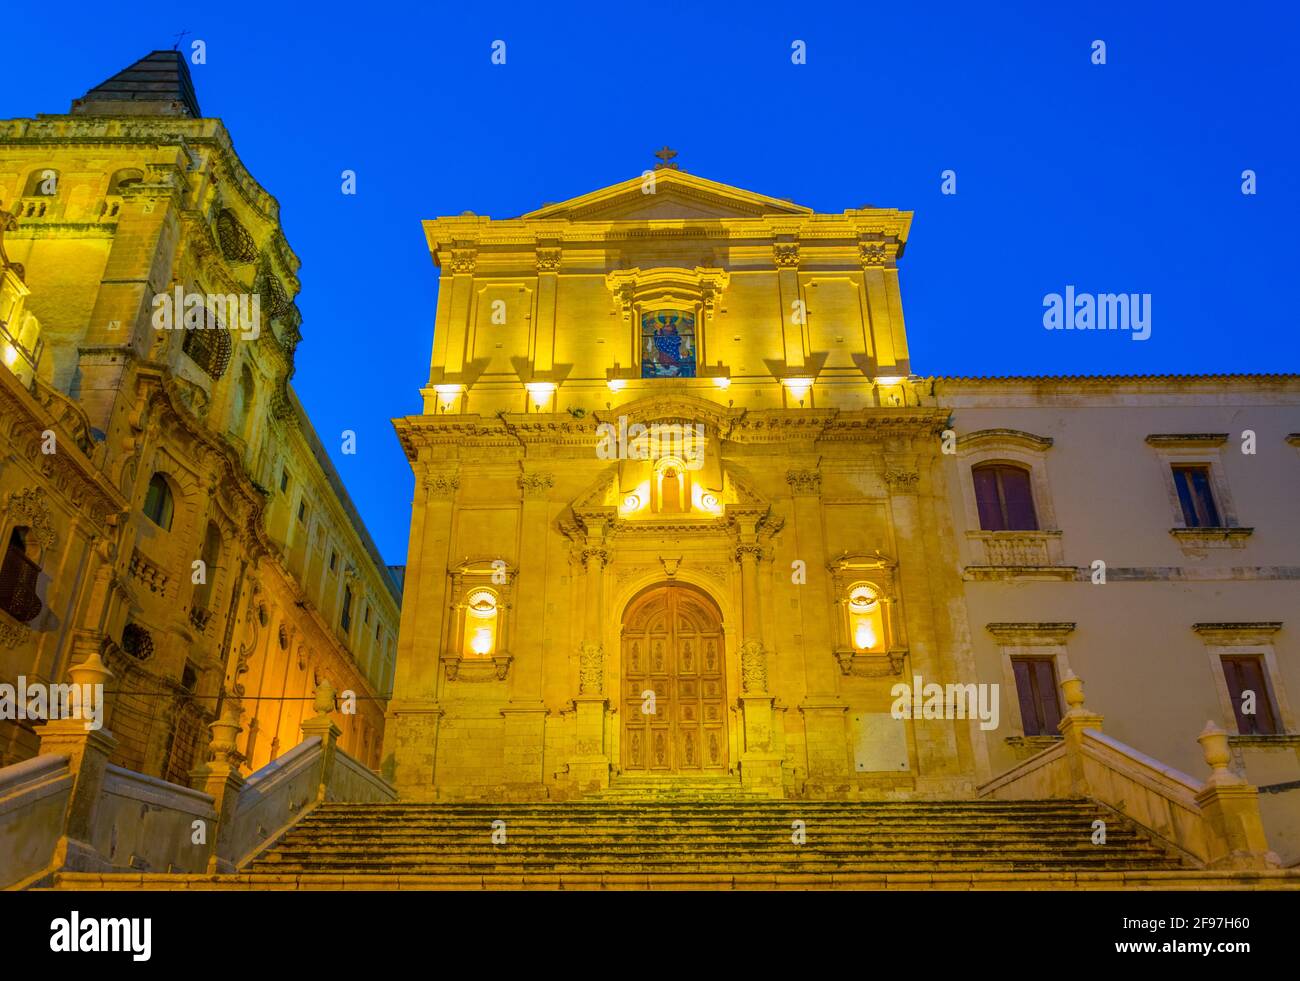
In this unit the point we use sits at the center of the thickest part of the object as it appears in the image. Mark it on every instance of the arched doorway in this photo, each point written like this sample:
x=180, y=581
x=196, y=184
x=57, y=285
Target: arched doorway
x=674, y=683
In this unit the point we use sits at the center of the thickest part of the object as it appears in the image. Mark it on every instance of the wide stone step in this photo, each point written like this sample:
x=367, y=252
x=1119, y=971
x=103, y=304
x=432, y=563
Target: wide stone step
x=683, y=833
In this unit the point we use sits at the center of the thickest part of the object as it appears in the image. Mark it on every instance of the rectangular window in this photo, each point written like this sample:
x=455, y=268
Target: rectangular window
x=284, y=480
x=346, y=619
x=367, y=616
x=1196, y=497
x=334, y=558
x=302, y=512
x=378, y=627
x=1252, y=702
x=1005, y=498
x=1040, y=710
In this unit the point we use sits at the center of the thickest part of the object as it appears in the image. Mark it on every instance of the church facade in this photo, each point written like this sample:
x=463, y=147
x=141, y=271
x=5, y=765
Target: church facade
x=684, y=511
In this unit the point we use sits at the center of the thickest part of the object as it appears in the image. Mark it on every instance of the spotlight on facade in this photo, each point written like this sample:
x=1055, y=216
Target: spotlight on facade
x=617, y=384
x=448, y=394
x=631, y=503
x=540, y=392
x=723, y=382
x=797, y=387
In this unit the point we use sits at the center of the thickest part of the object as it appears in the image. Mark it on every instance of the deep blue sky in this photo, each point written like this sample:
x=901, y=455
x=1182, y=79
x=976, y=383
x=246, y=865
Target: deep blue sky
x=1117, y=178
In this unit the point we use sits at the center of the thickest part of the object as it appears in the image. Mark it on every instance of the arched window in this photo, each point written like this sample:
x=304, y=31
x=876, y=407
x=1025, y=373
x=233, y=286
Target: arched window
x=42, y=182
x=672, y=486
x=211, y=559
x=245, y=392
x=1005, y=498
x=19, y=574
x=158, y=503
x=345, y=620
x=125, y=178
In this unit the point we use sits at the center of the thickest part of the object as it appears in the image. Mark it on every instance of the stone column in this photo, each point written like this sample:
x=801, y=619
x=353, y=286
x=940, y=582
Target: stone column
x=411, y=729
x=525, y=715
x=936, y=739
x=591, y=764
x=88, y=751
x=823, y=710
x=760, y=765
x=786, y=257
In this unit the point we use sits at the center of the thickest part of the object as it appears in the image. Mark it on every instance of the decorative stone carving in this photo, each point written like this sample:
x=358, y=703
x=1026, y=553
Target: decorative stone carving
x=442, y=484
x=753, y=668
x=749, y=548
x=874, y=253
x=591, y=669
x=807, y=483
x=536, y=483
x=463, y=260
x=596, y=552
x=548, y=260
x=902, y=481
x=785, y=255
x=29, y=508
x=12, y=633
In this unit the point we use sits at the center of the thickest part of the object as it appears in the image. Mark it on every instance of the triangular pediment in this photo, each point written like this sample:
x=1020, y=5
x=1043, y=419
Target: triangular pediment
x=677, y=196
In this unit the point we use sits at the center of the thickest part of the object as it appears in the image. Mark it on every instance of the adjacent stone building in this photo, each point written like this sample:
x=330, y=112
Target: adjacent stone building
x=164, y=499
x=684, y=510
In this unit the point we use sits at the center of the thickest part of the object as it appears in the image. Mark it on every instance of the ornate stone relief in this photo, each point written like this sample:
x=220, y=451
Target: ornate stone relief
x=753, y=668
x=805, y=482
x=901, y=481
x=30, y=508
x=536, y=483
x=786, y=256
x=591, y=669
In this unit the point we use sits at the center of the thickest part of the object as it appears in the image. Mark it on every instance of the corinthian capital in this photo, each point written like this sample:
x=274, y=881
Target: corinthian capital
x=902, y=481
x=536, y=483
x=595, y=552
x=440, y=483
x=806, y=483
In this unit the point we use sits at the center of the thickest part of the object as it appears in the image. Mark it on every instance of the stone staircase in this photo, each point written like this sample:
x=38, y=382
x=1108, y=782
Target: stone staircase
x=680, y=832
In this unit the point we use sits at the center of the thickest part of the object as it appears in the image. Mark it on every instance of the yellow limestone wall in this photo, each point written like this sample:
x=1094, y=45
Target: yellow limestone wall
x=509, y=471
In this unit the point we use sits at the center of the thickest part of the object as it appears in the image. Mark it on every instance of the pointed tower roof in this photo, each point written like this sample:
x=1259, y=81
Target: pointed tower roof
x=159, y=84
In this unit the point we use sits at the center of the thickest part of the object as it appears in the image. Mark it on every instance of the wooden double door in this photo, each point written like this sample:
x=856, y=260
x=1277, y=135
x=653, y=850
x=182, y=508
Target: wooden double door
x=674, y=684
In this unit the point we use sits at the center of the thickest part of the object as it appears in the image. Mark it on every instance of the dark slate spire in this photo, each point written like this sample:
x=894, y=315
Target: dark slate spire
x=159, y=84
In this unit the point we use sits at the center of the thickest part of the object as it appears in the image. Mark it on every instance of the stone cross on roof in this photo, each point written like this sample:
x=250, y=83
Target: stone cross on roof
x=665, y=156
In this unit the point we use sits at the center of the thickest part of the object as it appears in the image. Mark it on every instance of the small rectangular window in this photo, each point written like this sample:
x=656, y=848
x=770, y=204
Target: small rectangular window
x=346, y=619
x=378, y=626
x=1196, y=497
x=334, y=558
x=1252, y=702
x=1040, y=710
x=284, y=480
x=1004, y=498
x=367, y=616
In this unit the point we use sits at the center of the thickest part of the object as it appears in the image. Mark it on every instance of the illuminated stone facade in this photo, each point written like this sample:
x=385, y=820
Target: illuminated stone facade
x=163, y=497
x=684, y=510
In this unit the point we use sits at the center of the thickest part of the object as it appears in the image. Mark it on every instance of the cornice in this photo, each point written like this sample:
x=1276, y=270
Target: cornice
x=753, y=426
x=1003, y=437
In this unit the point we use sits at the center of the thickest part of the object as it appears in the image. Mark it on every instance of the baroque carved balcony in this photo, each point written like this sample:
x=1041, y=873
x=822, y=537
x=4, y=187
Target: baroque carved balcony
x=148, y=572
x=1016, y=554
